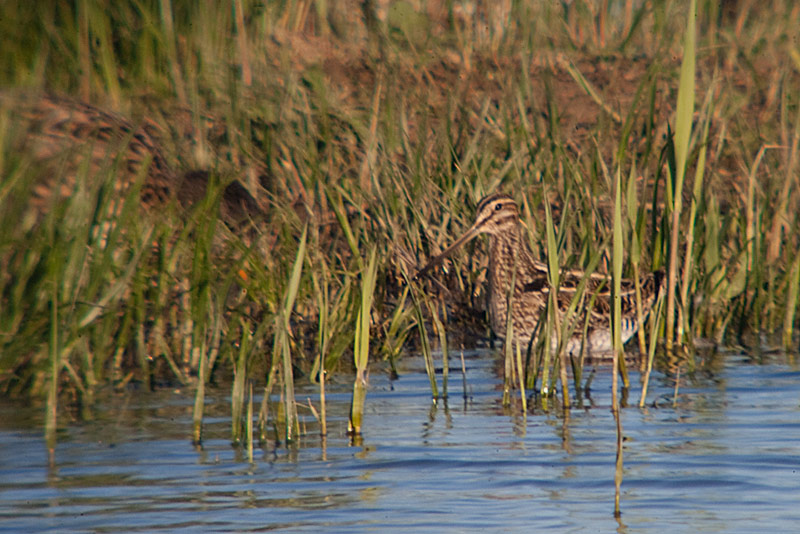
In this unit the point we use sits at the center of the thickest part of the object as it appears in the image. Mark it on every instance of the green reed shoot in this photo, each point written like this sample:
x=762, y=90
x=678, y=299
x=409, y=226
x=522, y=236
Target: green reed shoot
x=323, y=411
x=400, y=326
x=697, y=193
x=361, y=347
x=281, y=353
x=199, y=402
x=249, y=422
x=425, y=346
x=616, y=328
x=238, y=388
x=523, y=396
x=551, y=327
x=655, y=324
x=51, y=414
x=440, y=329
x=631, y=202
x=683, y=133
x=319, y=369
x=205, y=326
x=791, y=302
x=511, y=339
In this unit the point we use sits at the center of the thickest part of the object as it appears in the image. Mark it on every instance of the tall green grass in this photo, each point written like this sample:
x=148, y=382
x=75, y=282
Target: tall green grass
x=361, y=344
x=615, y=325
x=362, y=137
x=684, y=115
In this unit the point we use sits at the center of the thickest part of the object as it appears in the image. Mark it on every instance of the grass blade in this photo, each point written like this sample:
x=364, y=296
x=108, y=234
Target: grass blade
x=425, y=346
x=284, y=333
x=616, y=330
x=55, y=370
x=361, y=347
x=551, y=325
x=791, y=302
x=683, y=133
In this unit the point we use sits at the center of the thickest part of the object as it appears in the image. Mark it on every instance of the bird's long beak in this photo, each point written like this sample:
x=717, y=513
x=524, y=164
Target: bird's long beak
x=437, y=260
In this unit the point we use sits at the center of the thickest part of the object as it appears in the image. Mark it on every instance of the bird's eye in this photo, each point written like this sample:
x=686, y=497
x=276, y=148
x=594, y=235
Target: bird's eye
x=498, y=207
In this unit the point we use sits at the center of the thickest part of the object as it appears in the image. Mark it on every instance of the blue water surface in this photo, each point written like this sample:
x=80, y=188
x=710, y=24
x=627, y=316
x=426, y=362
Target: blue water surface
x=722, y=454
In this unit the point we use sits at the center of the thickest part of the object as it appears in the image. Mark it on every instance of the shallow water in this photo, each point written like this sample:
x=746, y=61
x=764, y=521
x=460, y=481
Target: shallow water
x=724, y=456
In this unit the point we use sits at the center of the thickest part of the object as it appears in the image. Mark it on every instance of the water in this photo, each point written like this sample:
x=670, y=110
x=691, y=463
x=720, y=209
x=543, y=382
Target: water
x=724, y=456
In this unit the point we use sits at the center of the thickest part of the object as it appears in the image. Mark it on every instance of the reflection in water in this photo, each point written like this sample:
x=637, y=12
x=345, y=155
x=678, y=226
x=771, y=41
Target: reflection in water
x=423, y=465
x=565, y=436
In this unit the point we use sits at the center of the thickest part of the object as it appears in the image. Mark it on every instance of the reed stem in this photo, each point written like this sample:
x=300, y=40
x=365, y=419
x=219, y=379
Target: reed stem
x=616, y=330
x=683, y=134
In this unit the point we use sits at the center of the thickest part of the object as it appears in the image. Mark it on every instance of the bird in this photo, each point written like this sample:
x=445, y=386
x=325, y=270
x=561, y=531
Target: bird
x=65, y=134
x=510, y=257
x=76, y=144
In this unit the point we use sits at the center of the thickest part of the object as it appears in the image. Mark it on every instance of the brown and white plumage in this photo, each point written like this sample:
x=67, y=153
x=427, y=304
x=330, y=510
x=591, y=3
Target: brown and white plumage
x=498, y=217
x=72, y=140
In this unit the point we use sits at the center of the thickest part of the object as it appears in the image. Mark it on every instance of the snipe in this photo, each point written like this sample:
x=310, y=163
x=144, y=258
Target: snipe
x=63, y=135
x=498, y=216
x=74, y=140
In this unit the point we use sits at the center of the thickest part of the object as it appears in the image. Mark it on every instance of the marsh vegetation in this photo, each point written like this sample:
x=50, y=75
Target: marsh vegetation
x=363, y=136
